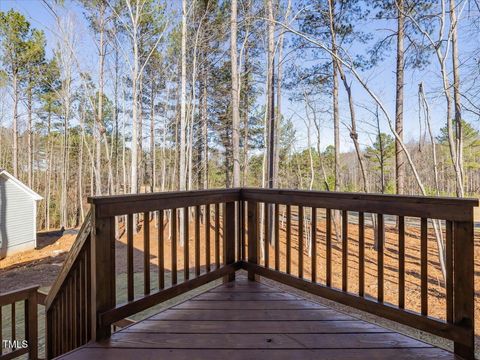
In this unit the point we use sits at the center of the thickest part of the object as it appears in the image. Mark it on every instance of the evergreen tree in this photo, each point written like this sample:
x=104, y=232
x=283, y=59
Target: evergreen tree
x=15, y=34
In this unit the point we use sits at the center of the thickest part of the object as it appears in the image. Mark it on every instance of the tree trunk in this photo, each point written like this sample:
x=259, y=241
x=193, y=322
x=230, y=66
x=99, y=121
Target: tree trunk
x=436, y=223
x=115, y=118
x=63, y=194
x=245, y=102
x=271, y=96
x=399, y=155
x=336, y=115
x=183, y=100
x=135, y=116
x=29, y=135
x=48, y=172
x=152, y=137
x=80, y=179
x=353, y=128
x=15, y=125
x=204, y=120
x=235, y=96
x=381, y=156
x=183, y=115
x=271, y=170
x=278, y=115
x=457, y=98
x=319, y=150
x=99, y=119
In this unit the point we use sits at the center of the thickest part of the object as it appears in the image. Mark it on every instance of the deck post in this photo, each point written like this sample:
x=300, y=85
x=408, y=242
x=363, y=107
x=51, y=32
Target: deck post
x=463, y=285
x=102, y=272
x=229, y=232
x=252, y=236
x=31, y=324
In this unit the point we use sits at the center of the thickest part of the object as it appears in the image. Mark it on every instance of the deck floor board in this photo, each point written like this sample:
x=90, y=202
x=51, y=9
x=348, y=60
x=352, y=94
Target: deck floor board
x=249, y=320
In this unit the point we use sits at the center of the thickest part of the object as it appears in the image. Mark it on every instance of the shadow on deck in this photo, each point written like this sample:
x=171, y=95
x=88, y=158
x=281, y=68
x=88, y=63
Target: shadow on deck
x=250, y=320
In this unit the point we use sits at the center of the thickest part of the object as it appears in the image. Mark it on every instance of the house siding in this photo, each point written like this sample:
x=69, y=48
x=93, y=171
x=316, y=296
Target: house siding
x=17, y=218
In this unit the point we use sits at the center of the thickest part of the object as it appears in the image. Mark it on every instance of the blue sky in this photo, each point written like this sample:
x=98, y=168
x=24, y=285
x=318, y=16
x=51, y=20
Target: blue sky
x=381, y=78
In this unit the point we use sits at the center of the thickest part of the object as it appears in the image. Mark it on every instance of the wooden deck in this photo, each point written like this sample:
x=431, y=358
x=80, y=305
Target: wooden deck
x=249, y=320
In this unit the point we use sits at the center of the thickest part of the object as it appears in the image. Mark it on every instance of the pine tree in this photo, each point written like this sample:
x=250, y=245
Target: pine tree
x=15, y=33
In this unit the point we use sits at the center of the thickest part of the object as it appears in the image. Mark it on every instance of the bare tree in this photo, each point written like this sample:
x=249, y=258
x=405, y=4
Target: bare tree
x=441, y=46
x=183, y=114
x=270, y=94
x=136, y=11
x=457, y=94
x=336, y=114
x=280, y=64
x=399, y=155
x=436, y=223
x=235, y=95
x=348, y=89
x=99, y=118
x=66, y=60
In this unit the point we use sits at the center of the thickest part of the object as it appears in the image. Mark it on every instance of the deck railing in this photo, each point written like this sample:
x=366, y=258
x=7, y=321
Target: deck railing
x=173, y=211
x=26, y=342
x=68, y=304
x=304, y=239
x=457, y=214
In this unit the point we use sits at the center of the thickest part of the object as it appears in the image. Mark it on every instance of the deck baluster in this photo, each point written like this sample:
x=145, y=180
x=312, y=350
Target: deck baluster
x=197, y=240
x=266, y=234
x=361, y=254
x=229, y=233
x=252, y=209
x=313, y=245
x=449, y=268
x=380, y=250
x=344, y=250
x=217, y=236
x=130, y=278
x=401, y=262
x=173, y=224
x=207, y=236
x=289, y=238
x=276, y=228
x=146, y=253
x=424, y=266
x=300, y=242
x=161, y=250
x=186, y=244
x=244, y=222
x=328, y=255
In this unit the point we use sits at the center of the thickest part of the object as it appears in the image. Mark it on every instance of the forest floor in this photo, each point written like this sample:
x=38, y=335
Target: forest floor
x=41, y=266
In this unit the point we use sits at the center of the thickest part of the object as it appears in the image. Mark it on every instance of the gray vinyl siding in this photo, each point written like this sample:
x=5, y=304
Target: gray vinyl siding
x=17, y=218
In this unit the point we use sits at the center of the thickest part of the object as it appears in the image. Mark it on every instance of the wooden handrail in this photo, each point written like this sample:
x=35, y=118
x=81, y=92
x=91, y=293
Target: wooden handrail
x=117, y=205
x=42, y=297
x=165, y=195
x=444, y=208
x=415, y=199
x=10, y=297
x=29, y=296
